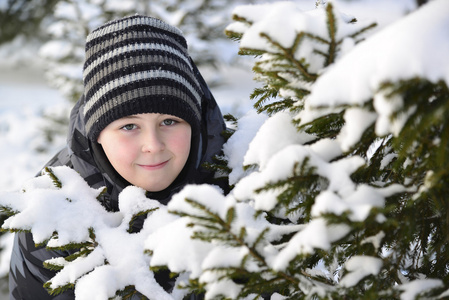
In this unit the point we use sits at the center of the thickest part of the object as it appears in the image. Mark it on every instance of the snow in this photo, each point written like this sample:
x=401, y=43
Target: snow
x=383, y=12
x=389, y=55
x=6, y=244
x=271, y=143
x=317, y=235
x=179, y=245
x=238, y=144
x=375, y=240
x=276, y=133
x=359, y=267
x=56, y=49
x=21, y=109
x=123, y=5
x=357, y=120
x=414, y=288
x=43, y=211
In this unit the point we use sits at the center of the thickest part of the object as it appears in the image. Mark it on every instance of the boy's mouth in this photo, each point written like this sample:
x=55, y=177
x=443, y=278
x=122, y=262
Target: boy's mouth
x=154, y=166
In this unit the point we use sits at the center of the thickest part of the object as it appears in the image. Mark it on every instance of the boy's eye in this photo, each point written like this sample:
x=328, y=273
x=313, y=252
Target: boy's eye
x=129, y=127
x=168, y=122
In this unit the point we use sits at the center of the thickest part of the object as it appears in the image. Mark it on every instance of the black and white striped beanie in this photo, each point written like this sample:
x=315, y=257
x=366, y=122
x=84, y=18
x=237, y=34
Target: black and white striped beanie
x=138, y=65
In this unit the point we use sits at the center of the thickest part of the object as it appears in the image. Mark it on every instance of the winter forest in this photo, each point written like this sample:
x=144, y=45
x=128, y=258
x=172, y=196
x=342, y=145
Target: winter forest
x=336, y=153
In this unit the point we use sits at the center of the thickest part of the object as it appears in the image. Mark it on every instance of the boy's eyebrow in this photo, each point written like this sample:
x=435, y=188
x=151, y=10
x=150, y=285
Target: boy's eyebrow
x=130, y=117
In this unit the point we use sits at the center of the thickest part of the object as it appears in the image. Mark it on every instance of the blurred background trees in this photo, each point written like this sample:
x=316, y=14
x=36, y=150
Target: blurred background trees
x=24, y=17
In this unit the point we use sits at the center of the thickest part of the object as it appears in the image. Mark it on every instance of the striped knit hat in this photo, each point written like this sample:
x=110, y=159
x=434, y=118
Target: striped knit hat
x=138, y=65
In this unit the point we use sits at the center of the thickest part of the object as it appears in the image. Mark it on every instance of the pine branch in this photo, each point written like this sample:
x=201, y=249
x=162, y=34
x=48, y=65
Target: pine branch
x=280, y=70
x=332, y=31
x=8, y=211
x=360, y=32
x=102, y=193
x=230, y=118
x=219, y=165
x=129, y=292
x=59, y=290
x=263, y=94
x=303, y=181
x=193, y=285
x=137, y=215
x=48, y=171
x=235, y=36
x=241, y=19
x=276, y=107
x=81, y=250
x=289, y=55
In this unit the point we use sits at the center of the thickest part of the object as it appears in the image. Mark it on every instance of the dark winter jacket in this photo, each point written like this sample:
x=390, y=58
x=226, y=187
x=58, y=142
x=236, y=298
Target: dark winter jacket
x=27, y=274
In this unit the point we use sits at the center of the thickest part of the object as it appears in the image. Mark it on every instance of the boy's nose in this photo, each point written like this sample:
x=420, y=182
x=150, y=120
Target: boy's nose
x=152, y=142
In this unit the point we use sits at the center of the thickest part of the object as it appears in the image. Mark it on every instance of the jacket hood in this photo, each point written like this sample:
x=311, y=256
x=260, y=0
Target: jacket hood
x=89, y=160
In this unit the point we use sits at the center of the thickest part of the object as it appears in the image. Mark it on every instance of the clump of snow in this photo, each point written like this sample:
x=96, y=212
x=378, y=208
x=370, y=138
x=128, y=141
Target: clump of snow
x=42, y=210
x=357, y=120
x=317, y=235
x=177, y=251
x=359, y=203
x=385, y=107
x=275, y=134
x=238, y=144
x=327, y=149
x=413, y=288
x=375, y=240
x=359, y=267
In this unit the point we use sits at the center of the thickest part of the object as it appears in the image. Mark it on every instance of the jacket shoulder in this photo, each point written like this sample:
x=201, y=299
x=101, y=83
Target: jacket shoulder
x=27, y=273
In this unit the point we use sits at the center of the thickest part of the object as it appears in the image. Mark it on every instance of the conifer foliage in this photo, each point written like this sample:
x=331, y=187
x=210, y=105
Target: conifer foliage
x=364, y=184
x=341, y=193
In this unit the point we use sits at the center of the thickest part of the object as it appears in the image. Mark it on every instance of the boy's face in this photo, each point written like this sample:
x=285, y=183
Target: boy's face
x=148, y=150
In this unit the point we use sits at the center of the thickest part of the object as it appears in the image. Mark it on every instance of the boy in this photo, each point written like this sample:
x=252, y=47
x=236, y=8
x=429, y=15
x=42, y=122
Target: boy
x=147, y=118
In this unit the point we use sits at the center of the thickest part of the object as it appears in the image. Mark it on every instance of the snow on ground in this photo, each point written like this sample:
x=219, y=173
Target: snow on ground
x=23, y=99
